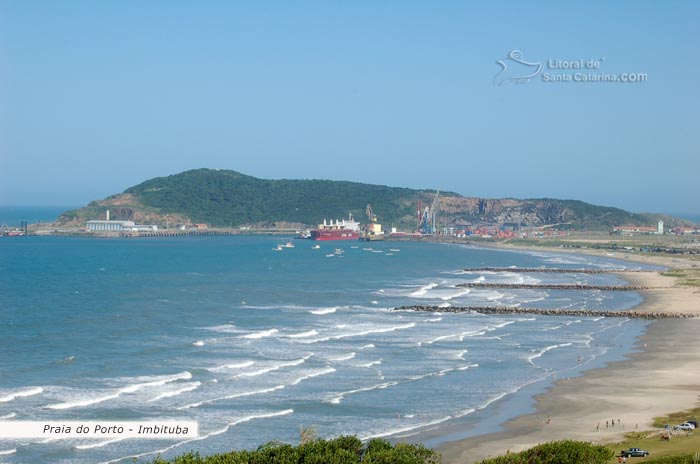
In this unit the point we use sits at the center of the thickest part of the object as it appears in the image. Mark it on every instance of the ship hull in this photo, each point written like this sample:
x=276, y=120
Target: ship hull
x=334, y=235
x=372, y=238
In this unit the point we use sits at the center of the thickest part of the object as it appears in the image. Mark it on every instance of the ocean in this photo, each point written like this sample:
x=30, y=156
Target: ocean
x=12, y=216
x=255, y=343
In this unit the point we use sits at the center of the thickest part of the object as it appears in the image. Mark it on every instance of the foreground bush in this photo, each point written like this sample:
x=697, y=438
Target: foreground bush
x=558, y=452
x=341, y=450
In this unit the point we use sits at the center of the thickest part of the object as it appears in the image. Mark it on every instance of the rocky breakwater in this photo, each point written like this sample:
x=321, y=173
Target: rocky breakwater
x=622, y=288
x=552, y=270
x=548, y=312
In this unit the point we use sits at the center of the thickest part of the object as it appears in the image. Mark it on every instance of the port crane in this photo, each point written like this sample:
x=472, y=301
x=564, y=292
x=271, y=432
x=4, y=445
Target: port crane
x=370, y=214
x=373, y=230
x=427, y=216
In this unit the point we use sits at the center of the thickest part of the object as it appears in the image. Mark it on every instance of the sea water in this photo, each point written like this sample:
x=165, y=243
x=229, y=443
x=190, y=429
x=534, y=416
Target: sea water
x=254, y=343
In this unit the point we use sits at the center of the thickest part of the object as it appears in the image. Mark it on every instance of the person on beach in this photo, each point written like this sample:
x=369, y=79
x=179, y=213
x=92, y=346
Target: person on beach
x=606, y=424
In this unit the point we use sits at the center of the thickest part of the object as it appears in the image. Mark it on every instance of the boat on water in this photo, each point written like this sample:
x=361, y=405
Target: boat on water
x=288, y=245
x=316, y=247
x=346, y=229
x=278, y=248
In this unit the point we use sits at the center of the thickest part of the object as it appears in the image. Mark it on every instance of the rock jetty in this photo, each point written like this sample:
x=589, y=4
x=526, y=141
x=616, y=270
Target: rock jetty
x=548, y=312
x=619, y=288
x=552, y=270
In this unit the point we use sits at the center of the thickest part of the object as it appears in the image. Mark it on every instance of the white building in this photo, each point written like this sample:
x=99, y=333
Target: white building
x=110, y=226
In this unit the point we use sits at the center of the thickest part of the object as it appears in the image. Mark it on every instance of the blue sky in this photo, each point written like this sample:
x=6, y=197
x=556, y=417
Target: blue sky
x=98, y=96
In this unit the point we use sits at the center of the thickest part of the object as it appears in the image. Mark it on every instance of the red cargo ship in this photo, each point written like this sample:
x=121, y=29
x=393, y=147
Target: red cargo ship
x=347, y=229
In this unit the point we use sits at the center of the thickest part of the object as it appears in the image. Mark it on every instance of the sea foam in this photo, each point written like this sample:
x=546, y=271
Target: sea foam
x=29, y=391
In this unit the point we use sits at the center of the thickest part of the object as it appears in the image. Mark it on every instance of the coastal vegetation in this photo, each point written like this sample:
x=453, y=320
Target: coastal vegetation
x=685, y=277
x=559, y=452
x=224, y=198
x=680, y=450
x=341, y=450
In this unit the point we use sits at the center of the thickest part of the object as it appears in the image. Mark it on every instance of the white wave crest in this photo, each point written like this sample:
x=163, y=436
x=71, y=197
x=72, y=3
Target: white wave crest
x=232, y=396
x=531, y=358
x=204, y=437
x=370, y=364
x=308, y=333
x=343, y=358
x=184, y=389
x=328, y=370
x=405, y=429
x=226, y=367
x=100, y=444
x=365, y=332
x=260, y=334
x=275, y=367
x=423, y=290
x=29, y=391
x=324, y=310
x=340, y=396
x=159, y=381
x=225, y=328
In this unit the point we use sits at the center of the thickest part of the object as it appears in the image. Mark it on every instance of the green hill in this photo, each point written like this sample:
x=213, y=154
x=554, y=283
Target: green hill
x=228, y=199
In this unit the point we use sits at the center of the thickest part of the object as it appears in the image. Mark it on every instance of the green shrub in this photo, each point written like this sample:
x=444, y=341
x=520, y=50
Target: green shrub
x=558, y=452
x=341, y=450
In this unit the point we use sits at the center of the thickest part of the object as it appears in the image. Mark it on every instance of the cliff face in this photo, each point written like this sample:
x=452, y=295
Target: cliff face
x=122, y=207
x=231, y=199
x=504, y=211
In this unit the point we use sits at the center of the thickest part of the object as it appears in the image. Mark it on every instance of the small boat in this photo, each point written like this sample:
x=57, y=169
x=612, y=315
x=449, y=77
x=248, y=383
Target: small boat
x=367, y=249
x=316, y=247
x=330, y=255
x=288, y=245
x=377, y=251
x=278, y=248
x=354, y=246
x=394, y=249
x=388, y=254
x=338, y=251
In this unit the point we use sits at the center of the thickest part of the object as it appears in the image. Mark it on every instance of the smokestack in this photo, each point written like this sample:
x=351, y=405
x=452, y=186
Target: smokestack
x=108, y=215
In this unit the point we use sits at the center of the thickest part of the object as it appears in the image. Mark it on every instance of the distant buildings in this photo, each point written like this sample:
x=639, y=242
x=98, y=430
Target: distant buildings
x=686, y=231
x=118, y=226
x=109, y=226
x=631, y=229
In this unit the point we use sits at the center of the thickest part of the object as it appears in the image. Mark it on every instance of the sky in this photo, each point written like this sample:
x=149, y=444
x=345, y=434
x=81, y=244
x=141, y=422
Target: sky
x=98, y=96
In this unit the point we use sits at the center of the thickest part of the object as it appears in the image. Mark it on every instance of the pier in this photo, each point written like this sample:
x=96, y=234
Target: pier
x=549, y=312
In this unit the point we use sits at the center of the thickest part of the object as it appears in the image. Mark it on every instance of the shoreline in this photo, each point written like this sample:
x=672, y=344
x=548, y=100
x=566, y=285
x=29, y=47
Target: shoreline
x=658, y=377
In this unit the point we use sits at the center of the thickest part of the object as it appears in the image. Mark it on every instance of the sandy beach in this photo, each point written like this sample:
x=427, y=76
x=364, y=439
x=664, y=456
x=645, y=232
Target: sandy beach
x=662, y=377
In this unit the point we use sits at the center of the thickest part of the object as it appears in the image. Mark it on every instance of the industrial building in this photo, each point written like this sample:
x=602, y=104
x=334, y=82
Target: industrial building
x=118, y=226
